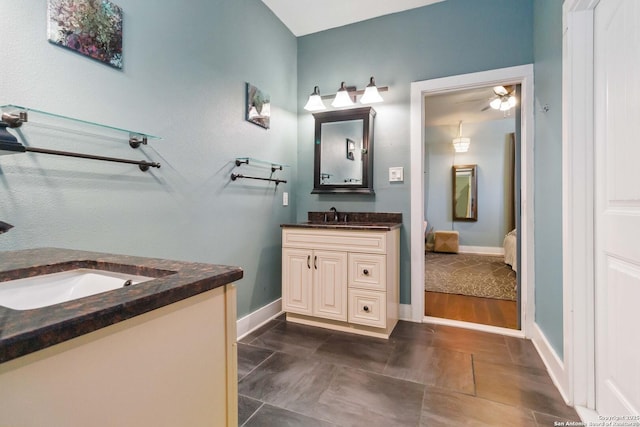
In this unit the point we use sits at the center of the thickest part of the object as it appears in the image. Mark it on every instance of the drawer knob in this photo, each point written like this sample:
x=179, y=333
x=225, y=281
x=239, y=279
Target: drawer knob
x=366, y=308
x=366, y=272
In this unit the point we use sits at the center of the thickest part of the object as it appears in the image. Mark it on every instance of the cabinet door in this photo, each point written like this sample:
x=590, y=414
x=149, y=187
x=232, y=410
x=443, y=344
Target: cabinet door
x=330, y=285
x=297, y=276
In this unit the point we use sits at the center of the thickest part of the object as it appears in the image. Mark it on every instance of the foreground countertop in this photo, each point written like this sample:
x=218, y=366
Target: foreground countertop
x=26, y=331
x=374, y=221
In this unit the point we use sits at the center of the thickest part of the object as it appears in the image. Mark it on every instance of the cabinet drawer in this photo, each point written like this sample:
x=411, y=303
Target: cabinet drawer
x=338, y=240
x=368, y=308
x=368, y=271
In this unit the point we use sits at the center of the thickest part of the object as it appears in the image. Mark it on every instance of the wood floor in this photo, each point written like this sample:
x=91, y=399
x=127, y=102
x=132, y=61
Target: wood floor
x=487, y=311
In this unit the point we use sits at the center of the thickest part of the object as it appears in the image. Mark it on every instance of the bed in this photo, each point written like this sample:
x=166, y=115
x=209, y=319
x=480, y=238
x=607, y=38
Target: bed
x=510, y=249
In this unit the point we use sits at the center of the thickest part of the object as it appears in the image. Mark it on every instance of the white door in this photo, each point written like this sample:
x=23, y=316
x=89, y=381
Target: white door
x=617, y=175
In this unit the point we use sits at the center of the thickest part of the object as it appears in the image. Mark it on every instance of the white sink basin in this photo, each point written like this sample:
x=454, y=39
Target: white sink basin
x=50, y=289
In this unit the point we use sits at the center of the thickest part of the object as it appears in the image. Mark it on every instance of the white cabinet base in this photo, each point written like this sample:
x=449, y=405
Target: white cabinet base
x=173, y=366
x=350, y=279
x=343, y=326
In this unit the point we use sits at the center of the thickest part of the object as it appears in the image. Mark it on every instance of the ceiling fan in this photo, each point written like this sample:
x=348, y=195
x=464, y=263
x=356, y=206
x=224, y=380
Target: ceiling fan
x=504, y=98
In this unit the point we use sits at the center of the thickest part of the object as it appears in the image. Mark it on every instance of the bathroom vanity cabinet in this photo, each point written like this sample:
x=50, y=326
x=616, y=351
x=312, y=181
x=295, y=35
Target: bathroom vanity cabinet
x=342, y=277
x=158, y=353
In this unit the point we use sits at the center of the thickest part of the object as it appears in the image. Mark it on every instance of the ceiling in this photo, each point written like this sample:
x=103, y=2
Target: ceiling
x=466, y=105
x=304, y=17
x=310, y=16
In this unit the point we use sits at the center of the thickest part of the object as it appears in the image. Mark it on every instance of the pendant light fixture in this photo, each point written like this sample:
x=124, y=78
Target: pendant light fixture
x=342, y=98
x=314, y=103
x=461, y=144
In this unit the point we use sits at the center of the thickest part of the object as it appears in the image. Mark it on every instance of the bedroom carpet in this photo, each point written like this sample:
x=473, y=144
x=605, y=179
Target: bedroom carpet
x=485, y=276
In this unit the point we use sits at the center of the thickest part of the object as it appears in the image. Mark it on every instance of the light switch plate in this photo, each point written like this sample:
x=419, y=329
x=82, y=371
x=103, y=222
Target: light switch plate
x=396, y=174
x=285, y=199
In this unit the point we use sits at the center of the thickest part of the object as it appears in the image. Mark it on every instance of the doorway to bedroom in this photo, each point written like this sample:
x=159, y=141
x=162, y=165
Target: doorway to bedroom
x=471, y=205
x=521, y=76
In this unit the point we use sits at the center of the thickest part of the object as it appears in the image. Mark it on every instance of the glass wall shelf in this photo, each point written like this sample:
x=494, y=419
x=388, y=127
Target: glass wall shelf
x=23, y=119
x=16, y=115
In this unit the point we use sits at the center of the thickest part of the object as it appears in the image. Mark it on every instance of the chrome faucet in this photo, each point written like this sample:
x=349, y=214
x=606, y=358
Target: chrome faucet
x=335, y=213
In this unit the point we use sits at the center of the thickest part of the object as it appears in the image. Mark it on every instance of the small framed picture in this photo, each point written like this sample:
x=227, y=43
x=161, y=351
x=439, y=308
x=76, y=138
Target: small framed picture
x=351, y=148
x=258, y=107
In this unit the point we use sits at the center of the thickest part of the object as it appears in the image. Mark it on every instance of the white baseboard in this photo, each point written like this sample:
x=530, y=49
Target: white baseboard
x=404, y=312
x=589, y=416
x=481, y=250
x=259, y=317
x=555, y=366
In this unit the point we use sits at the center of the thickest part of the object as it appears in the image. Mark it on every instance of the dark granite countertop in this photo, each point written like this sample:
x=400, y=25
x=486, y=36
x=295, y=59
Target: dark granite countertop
x=26, y=331
x=383, y=221
x=373, y=226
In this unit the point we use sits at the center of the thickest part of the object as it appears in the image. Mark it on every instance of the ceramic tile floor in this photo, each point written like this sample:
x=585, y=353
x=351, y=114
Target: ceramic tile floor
x=424, y=375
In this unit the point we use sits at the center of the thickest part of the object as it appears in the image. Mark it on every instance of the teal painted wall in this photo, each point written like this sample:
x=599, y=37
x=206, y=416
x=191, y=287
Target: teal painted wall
x=444, y=39
x=547, y=43
x=183, y=79
x=184, y=75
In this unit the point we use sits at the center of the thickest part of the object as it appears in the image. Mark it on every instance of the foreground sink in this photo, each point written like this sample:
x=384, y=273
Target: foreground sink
x=50, y=289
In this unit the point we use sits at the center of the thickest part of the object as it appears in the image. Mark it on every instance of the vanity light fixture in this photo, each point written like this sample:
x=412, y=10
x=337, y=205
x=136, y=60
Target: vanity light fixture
x=371, y=94
x=346, y=96
x=315, y=101
x=460, y=144
x=342, y=98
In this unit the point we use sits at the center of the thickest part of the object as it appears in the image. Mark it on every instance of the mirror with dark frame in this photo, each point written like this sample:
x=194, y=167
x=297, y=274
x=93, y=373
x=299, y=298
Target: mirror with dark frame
x=465, y=193
x=335, y=172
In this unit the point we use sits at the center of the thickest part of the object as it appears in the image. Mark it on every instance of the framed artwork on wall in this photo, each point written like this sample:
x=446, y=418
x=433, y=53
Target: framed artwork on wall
x=89, y=27
x=258, y=107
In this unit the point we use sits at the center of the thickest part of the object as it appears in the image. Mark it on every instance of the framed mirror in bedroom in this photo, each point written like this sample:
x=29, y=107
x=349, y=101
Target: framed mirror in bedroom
x=465, y=193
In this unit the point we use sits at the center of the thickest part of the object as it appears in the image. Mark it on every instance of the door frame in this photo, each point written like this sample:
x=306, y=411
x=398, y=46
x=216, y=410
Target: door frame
x=578, y=206
x=522, y=75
